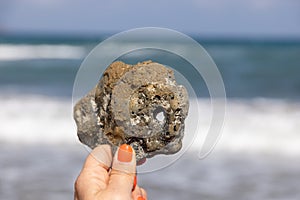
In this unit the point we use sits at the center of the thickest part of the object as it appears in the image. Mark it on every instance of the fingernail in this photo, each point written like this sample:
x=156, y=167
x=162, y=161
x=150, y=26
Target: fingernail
x=141, y=198
x=134, y=182
x=125, y=153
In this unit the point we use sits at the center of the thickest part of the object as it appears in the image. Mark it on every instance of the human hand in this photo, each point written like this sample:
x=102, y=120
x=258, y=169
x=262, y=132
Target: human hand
x=97, y=181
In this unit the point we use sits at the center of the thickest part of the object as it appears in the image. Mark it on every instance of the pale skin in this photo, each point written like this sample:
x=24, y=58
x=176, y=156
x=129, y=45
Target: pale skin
x=98, y=181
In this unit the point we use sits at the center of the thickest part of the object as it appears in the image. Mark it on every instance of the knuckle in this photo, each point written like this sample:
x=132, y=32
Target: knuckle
x=78, y=182
x=144, y=193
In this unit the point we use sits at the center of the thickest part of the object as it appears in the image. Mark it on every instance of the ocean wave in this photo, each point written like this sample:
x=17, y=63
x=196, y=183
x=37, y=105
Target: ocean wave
x=10, y=52
x=256, y=125
x=261, y=126
x=34, y=119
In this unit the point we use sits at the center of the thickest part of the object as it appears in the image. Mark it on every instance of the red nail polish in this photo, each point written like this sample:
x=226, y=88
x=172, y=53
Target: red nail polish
x=141, y=198
x=134, y=182
x=125, y=153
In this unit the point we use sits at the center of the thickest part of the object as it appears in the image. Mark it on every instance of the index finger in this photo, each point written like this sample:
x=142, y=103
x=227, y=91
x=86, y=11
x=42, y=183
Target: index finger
x=101, y=155
x=94, y=177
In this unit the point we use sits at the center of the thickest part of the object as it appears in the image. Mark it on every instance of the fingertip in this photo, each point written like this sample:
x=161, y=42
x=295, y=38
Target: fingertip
x=124, y=160
x=125, y=153
x=139, y=193
x=101, y=155
x=144, y=193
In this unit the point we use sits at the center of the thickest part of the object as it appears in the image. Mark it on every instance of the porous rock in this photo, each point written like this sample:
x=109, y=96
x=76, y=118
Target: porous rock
x=140, y=105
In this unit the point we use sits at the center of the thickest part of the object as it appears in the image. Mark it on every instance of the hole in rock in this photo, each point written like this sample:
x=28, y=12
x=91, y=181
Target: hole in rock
x=159, y=114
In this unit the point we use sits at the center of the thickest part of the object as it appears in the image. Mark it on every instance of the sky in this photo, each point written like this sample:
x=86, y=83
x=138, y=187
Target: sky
x=228, y=18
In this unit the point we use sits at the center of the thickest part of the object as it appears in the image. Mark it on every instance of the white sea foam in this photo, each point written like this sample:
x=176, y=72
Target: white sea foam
x=258, y=125
x=10, y=52
x=36, y=119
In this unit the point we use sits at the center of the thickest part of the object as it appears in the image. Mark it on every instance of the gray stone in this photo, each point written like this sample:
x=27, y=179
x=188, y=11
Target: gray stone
x=140, y=105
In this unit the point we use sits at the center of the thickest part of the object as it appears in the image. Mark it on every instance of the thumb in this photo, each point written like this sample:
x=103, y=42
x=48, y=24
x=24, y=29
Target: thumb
x=123, y=171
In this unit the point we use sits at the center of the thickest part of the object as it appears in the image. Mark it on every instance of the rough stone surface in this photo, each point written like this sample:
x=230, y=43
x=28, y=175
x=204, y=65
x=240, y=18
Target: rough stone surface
x=140, y=105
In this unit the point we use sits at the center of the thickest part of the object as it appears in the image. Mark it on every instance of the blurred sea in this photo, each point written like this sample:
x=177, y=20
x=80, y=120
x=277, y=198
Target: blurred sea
x=258, y=156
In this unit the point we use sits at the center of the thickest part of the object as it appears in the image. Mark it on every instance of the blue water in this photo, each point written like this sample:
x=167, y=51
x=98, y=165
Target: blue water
x=256, y=158
x=249, y=68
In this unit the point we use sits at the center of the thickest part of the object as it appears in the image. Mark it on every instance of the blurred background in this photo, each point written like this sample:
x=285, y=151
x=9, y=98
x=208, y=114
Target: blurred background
x=255, y=44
